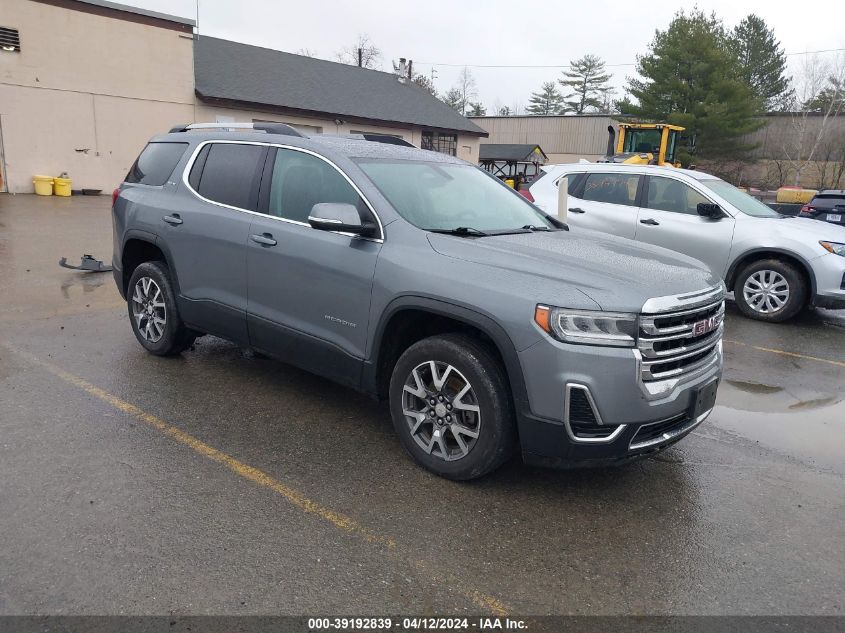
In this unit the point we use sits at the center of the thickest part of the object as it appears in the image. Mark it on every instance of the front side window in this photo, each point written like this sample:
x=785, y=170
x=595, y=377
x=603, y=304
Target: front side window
x=445, y=196
x=611, y=188
x=230, y=174
x=667, y=194
x=155, y=163
x=301, y=180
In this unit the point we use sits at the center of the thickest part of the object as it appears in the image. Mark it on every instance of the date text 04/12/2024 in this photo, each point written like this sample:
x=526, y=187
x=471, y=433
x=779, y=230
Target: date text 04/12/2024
x=416, y=624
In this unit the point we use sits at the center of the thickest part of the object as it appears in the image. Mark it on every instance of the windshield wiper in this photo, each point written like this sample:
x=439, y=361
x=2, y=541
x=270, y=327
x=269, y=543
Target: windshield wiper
x=534, y=227
x=461, y=230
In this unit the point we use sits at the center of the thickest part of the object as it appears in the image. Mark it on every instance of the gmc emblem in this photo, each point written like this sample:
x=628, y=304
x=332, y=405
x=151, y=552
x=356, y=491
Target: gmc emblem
x=704, y=326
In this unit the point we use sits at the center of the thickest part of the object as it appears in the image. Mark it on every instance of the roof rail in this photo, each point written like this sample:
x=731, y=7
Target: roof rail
x=270, y=128
x=388, y=139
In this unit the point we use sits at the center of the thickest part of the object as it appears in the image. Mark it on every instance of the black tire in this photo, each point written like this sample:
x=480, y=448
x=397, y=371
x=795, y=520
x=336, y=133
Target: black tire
x=175, y=337
x=478, y=367
x=795, y=280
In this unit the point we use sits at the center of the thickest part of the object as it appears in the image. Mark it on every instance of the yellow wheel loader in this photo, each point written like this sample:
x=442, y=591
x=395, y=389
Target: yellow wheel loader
x=644, y=144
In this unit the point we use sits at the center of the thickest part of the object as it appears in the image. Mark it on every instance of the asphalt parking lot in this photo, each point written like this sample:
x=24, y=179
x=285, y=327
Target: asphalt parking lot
x=222, y=483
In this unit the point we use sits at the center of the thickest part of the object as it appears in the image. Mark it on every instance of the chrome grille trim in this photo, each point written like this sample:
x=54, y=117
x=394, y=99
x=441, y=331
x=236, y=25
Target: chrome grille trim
x=668, y=351
x=668, y=435
x=570, y=386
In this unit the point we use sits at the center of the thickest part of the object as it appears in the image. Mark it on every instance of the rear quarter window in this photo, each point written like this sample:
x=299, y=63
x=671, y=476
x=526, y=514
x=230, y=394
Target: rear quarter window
x=155, y=163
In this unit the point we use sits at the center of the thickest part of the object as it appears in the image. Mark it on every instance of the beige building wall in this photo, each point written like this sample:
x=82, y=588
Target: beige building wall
x=73, y=100
x=562, y=138
x=467, y=145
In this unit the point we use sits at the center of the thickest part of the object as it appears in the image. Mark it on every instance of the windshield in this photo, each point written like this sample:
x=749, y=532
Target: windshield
x=740, y=199
x=642, y=141
x=445, y=196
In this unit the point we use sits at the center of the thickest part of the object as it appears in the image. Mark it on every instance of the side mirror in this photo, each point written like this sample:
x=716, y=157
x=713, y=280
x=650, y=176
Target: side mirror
x=339, y=216
x=708, y=210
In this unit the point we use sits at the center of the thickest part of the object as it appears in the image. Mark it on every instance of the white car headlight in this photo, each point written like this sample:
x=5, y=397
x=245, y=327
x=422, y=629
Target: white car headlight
x=834, y=247
x=587, y=327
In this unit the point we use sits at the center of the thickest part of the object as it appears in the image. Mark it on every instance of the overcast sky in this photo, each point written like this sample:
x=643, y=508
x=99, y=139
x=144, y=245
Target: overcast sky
x=448, y=34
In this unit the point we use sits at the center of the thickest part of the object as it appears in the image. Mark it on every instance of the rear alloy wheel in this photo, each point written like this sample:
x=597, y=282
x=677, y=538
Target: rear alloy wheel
x=153, y=312
x=770, y=290
x=451, y=408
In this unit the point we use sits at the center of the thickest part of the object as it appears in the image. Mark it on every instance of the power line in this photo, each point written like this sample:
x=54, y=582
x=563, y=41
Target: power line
x=828, y=50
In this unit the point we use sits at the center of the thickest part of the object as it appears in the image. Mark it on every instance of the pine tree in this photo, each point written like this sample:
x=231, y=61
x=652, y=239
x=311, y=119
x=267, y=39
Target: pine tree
x=424, y=82
x=690, y=77
x=547, y=100
x=762, y=62
x=587, y=83
x=454, y=99
x=476, y=109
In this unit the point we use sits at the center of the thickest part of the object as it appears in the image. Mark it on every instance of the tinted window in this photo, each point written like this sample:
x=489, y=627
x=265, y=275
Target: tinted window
x=229, y=174
x=828, y=201
x=611, y=188
x=156, y=163
x=301, y=180
x=196, y=169
x=666, y=194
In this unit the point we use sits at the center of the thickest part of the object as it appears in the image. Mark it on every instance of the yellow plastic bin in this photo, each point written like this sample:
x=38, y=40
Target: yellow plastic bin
x=43, y=185
x=62, y=186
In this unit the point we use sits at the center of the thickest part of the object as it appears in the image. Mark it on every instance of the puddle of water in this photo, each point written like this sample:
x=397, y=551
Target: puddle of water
x=805, y=425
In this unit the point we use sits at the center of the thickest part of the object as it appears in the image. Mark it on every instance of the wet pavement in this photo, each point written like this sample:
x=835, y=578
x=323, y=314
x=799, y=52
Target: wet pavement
x=218, y=482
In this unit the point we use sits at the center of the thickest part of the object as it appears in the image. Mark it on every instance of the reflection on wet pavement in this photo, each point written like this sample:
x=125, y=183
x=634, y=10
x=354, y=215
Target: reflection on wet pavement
x=792, y=420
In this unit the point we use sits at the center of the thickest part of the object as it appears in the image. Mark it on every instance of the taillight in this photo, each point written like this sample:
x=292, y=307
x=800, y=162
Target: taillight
x=527, y=194
x=806, y=209
x=114, y=195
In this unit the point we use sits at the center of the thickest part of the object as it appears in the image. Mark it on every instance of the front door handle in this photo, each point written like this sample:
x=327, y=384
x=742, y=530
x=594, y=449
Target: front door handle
x=174, y=219
x=650, y=222
x=577, y=210
x=265, y=239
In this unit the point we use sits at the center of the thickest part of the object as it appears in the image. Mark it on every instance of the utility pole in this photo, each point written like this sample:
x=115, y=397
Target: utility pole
x=360, y=57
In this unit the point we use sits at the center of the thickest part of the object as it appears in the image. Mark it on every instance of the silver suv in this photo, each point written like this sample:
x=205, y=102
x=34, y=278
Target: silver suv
x=774, y=264
x=420, y=279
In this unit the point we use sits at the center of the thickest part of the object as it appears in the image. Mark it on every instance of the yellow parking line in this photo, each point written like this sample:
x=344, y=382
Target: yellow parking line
x=785, y=353
x=337, y=519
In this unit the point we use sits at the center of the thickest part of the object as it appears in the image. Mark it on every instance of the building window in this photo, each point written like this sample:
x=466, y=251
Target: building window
x=10, y=40
x=439, y=142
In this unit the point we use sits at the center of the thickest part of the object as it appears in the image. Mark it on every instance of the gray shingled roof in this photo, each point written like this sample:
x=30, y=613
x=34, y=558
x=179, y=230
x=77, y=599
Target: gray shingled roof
x=508, y=151
x=240, y=72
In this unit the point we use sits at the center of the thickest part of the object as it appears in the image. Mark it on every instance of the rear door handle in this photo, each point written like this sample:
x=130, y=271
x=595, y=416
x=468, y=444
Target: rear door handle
x=265, y=239
x=650, y=222
x=577, y=210
x=174, y=219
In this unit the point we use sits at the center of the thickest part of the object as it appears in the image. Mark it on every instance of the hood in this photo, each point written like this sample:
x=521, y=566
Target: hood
x=617, y=273
x=804, y=229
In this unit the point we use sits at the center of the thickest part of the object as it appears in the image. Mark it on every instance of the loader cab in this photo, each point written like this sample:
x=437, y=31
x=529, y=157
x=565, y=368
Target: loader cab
x=659, y=140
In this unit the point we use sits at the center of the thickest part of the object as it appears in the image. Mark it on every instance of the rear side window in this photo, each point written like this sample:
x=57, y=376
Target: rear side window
x=611, y=188
x=301, y=180
x=156, y=163
x=230, y=174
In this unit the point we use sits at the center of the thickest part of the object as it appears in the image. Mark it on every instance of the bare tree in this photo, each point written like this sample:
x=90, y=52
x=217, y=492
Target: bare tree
x=362, y=53
x=811, y=115
x=466, y=86
x=307, y=52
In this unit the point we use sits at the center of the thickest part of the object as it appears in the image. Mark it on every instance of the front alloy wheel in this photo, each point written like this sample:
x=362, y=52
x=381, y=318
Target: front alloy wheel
x=441, y=410
x=451, y=406
x=772, y=290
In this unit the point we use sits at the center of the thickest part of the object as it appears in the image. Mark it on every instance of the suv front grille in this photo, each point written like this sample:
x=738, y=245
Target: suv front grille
x=681, y=338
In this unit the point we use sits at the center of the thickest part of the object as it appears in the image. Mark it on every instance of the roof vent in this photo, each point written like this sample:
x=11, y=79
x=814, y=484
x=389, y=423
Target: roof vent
x=10, y=40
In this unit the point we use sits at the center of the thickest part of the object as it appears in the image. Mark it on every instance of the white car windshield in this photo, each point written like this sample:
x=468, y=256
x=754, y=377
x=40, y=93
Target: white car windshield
x=449, y=197
x=741, y=200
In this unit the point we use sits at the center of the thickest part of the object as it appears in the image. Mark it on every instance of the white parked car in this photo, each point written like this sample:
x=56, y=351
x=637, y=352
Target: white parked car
x=774, y=264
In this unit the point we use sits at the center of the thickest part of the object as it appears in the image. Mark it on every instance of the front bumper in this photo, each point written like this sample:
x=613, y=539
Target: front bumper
x=611, y=377
x=829, y=272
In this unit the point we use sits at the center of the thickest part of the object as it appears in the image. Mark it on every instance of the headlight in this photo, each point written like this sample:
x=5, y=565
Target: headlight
x=834, y=247
x=613, y=329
